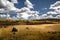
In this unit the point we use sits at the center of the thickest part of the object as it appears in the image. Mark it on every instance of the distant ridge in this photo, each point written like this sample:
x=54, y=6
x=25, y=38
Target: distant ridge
x=29, y=22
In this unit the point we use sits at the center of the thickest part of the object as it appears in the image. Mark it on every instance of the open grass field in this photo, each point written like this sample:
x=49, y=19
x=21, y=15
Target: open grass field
x=31, y=32
x=47, y=29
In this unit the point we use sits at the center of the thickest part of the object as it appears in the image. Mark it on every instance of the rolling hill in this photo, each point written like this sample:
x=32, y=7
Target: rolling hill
x=30, y=29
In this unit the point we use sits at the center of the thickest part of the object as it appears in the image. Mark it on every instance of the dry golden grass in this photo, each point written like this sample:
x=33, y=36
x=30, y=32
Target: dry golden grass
x=48, y=29
x=31, y=32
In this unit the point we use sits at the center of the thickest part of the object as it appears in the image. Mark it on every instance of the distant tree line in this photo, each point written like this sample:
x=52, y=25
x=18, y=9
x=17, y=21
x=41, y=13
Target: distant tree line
x=29, y=22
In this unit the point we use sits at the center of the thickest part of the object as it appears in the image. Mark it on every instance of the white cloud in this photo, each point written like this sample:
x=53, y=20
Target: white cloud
x=13, y=18
x=44, y=9
x=58, y=17
x=4, y=16
x=14, y=1
x=57, y=11
x=23, y=13
x=10, y=6
x=46, y=16
x=2, y=10
x=7, y=5
x=51, y=12
x=3, y=3
x=26, y=13
x=56, y=8
x=29, y=4
x=55, y=5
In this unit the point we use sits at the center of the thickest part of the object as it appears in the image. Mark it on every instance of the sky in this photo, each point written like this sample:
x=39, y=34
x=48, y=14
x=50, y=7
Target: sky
x=40, y=5
x=41, y=8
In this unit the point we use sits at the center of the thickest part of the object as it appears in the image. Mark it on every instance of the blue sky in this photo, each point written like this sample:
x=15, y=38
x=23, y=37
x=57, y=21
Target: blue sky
x=39, y=5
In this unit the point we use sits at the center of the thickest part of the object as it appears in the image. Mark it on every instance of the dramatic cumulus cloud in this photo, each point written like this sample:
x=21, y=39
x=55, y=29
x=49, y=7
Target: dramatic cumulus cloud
x=14, y=1
x=3, y=2
x=26, y=12
x=29, y=4
x=5, y=16
x=7, y=5
x=46, y=16
x=58, y=17
x=55, y=5
x=23, y=13
x=56, y=8
x=2, y=10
